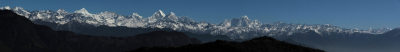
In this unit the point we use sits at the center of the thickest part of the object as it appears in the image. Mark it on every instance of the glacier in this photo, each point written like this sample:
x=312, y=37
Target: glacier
x=236, y=28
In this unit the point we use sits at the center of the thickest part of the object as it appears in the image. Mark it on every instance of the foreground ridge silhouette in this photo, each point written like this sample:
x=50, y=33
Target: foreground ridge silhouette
x=261, y=44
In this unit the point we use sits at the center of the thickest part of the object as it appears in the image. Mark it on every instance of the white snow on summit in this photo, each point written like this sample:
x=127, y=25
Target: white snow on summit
x=83, y=11
x=5, y=8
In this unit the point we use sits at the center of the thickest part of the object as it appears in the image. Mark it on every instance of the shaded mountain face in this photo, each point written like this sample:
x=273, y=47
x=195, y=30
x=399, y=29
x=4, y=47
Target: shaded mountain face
x=18, y=34
x=339, y=42
x=84, y=28
x=393, y=33
x=261, y=44
x=121, y=31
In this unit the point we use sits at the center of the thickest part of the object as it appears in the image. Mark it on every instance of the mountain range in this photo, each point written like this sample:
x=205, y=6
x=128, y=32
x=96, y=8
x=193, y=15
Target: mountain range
x=233, y=28
x=19, y=34
x=322, y=36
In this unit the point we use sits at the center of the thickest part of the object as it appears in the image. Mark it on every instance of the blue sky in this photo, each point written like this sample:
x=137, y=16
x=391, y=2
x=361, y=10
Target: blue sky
x=346, y=13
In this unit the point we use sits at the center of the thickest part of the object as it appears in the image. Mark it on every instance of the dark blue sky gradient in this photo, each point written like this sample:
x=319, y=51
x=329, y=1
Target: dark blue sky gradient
x=346, y=13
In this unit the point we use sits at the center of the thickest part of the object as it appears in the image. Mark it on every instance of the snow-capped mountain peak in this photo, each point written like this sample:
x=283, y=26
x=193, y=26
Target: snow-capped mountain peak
x=5, y=8
x=171, y=13
x=19, y=11
x=156, y=16
x=245, y=17
x=108, y=14
x=226, y=23
x=159, y=13
x=83, y=11
x=172, y=16
x=136, y=15
x=19, y=8
x=61, y=11
x=241, y=22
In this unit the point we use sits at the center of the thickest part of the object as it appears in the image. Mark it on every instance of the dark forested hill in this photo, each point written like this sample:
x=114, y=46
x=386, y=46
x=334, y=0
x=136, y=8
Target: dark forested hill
x=261, y=44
